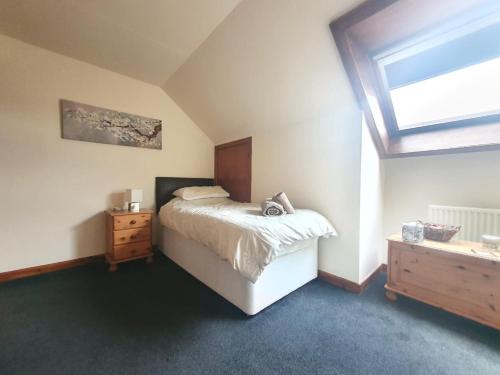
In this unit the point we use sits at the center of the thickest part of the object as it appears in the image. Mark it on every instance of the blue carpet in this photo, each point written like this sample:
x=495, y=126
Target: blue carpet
x=156, y=319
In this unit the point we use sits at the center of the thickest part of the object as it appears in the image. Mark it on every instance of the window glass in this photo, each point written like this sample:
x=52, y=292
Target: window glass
x=469, y=92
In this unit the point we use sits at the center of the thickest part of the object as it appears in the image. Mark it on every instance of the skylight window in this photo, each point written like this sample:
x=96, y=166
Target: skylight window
x=466, y=93
x=449, y=78
x=428, y=81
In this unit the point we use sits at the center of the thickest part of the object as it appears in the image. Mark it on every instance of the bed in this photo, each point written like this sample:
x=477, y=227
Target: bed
x=251, y=288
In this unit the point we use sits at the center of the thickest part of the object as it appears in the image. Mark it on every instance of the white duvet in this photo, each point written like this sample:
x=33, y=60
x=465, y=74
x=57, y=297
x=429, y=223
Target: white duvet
x=239, y=233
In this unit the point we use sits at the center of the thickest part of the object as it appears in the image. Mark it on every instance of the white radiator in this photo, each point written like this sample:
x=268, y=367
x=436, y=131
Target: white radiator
x=474, y=221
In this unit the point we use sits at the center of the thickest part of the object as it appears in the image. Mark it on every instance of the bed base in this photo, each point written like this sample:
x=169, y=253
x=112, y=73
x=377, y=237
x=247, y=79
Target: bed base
x=284, y=275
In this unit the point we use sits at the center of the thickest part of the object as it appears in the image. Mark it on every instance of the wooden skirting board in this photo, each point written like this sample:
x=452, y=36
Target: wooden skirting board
x=38, y=270
x=348, y=285
x=46, y=268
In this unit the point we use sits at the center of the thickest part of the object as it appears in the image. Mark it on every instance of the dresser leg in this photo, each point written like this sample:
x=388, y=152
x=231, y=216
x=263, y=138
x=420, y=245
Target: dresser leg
x=113, y=267
x=149, y=259
x=391, y=296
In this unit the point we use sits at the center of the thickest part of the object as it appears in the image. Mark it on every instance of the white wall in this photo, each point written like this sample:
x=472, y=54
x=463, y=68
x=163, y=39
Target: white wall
x=371, y=242
x=53, y=191
x=271, y=70
x=318, y=165
x=411, y=184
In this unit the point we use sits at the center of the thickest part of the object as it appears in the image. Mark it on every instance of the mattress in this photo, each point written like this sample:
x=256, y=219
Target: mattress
x=238, y=233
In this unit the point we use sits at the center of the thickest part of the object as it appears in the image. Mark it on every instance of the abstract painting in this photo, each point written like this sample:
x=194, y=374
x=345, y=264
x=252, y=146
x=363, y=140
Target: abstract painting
x=83, y=122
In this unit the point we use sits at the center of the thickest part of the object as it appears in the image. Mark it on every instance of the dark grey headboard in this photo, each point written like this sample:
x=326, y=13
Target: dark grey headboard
x=165, y=186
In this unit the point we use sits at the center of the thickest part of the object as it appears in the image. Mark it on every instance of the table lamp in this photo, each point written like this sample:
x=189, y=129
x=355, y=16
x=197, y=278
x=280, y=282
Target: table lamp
x=133, y=197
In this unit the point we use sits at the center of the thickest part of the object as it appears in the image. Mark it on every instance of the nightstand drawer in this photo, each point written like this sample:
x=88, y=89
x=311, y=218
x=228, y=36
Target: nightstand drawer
x=121, y=237
x=128, y=236
x=131, y=250
x=131, y=221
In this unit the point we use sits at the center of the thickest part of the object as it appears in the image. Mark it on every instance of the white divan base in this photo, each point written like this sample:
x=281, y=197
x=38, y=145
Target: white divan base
x=284, y=275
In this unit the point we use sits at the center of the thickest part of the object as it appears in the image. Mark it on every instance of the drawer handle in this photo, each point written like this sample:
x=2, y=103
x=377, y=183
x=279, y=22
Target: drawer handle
x=133, y=237
x=132, y=222
x=122, y=238
x=134, y=251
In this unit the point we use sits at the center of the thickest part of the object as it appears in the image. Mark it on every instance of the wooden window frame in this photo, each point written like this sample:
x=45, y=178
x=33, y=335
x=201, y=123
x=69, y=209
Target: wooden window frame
x=363, y=44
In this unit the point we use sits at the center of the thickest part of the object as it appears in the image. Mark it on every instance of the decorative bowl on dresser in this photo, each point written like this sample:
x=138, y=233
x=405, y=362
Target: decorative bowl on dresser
x=128, y=236
x=461, y=277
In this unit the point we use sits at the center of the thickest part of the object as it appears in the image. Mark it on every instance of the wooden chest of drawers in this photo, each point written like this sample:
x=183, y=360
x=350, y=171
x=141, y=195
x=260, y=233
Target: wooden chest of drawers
x=129, y=236
x=461, y=277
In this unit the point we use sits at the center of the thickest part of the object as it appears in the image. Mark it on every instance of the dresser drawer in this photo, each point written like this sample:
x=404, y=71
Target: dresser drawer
x=131, y=221
x=121, y=237
x=131, y=250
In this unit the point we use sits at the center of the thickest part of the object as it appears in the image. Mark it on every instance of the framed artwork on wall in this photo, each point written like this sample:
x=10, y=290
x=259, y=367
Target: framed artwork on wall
x=83, y=122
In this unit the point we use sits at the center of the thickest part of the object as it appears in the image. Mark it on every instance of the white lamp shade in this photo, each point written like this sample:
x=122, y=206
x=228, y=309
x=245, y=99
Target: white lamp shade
x=133, y=195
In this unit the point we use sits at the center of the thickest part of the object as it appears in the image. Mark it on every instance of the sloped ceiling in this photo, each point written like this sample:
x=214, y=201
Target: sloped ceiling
x=147, y=40
x=269, y=65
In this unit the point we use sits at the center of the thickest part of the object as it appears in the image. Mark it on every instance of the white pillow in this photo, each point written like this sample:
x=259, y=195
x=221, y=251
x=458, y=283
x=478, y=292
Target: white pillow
x=200, y=192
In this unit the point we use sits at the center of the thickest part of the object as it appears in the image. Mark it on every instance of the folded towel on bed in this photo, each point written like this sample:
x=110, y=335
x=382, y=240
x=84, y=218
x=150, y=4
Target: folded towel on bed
x=272, y=208
x=283, y=200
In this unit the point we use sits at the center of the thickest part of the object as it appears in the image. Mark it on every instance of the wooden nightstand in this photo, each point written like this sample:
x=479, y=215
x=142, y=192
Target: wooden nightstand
x=128, y=236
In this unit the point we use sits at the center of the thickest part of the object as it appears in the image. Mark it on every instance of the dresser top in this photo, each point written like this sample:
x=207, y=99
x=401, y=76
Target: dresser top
x=126, y=212
x=475, y=249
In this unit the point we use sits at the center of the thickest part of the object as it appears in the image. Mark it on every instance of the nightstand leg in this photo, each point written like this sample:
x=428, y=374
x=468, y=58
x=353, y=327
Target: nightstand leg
x=113, y=267
x=391, y=296
x=149, y=259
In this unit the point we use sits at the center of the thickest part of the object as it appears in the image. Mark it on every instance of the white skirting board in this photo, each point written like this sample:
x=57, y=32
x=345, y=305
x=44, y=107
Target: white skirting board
x=284, y=275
